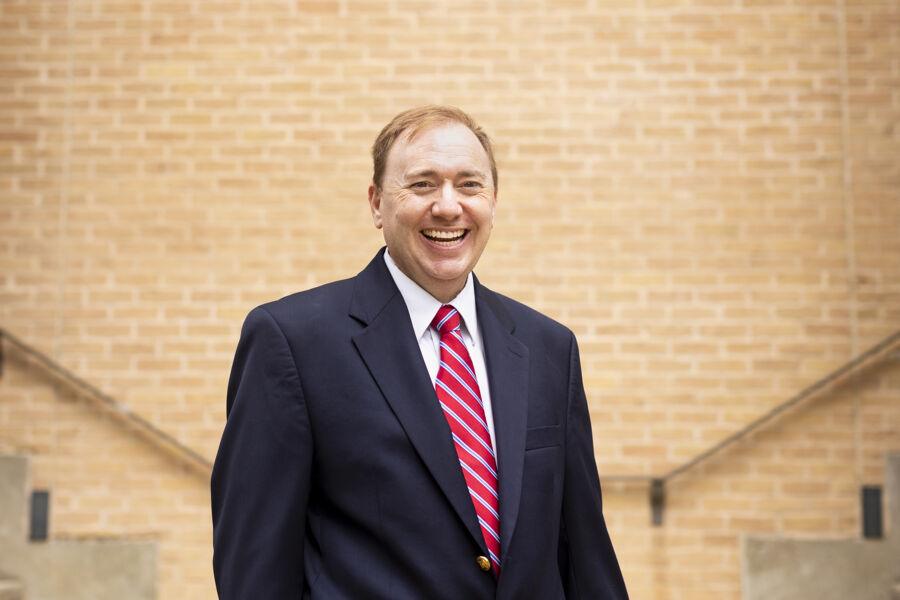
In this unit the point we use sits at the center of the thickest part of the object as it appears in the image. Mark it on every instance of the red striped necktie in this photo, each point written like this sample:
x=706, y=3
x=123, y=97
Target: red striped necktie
x=457, y=391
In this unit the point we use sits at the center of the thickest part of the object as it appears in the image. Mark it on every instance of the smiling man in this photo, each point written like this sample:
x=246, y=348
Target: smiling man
x=408, y=433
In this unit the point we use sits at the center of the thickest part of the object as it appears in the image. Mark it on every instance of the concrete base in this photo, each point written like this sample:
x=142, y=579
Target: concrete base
x=821, y=570
x=780, y=569
x=10, y=589
x=75, y=570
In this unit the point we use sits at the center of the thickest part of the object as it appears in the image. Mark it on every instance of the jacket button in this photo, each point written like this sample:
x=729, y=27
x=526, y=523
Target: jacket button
x=483, y=563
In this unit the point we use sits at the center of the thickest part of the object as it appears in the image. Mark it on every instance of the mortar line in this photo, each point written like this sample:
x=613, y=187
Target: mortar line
x=62, y=216
x=849, y=225
x=65, y=183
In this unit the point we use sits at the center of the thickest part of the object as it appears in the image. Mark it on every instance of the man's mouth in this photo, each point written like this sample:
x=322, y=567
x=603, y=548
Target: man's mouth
x=444, y=236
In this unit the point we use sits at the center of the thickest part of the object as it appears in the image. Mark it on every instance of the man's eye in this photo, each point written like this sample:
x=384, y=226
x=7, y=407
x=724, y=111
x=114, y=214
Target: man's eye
x=472, y=184
x=421, y=185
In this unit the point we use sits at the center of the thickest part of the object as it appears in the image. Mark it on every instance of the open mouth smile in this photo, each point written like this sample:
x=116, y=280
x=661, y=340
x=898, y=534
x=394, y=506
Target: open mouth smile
x=445, y=237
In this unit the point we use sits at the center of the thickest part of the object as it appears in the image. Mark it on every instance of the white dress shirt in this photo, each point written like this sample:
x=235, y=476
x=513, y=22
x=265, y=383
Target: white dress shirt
x=422, y=307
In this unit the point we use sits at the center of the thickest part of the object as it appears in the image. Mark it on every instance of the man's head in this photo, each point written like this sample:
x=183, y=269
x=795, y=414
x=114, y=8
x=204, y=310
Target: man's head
x=433, y=192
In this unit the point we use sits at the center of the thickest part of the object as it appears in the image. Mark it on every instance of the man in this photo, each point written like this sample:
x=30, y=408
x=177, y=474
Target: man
x=408, y=433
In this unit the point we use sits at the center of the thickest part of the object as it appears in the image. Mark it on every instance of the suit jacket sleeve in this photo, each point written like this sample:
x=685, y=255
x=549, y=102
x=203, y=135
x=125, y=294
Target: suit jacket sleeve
x=587, y=560
x=261, y=476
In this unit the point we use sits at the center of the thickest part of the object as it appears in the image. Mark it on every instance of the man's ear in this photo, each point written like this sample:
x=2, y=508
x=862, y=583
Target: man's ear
x=375, y=204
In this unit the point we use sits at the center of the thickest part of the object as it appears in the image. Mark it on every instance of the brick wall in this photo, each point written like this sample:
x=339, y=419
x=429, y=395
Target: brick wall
x=706, y=191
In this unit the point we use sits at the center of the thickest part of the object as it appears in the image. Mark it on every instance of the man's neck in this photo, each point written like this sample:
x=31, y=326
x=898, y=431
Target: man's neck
x=442, y=295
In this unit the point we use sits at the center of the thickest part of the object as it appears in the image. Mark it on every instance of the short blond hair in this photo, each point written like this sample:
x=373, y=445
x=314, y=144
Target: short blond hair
x=415, y=120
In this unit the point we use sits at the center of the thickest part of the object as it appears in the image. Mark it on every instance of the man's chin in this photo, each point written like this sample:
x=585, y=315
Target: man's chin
x=448, y=271
x=442, y=282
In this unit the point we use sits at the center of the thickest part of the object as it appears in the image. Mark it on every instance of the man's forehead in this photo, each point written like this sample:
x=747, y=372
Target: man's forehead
x=443, y=142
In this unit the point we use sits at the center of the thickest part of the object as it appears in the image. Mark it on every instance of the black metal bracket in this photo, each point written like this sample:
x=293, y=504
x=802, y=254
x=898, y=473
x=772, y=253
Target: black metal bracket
x=40, y=516
x=872, y=525
x=657, y=500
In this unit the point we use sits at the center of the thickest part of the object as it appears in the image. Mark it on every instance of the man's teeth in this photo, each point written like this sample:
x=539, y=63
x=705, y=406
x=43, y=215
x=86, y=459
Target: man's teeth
x=444, y=236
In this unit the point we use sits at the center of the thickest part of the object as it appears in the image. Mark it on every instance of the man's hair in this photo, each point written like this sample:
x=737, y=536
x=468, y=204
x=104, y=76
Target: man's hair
x=415, y=120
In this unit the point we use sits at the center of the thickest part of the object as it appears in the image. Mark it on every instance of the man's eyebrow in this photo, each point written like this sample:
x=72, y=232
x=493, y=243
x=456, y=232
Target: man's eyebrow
x=432, y=173
x=421, y=173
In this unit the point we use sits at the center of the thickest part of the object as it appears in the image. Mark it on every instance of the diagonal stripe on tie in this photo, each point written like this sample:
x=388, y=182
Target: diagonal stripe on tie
x=460, y=399
x=474, y=455
x=461, y=360
x=476, y=480
x=462, y=381
x=446, y=348
x=470, y=411
x=464, y=430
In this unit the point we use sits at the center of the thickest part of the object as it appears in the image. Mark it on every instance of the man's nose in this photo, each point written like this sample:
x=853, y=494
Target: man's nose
x=447, y=205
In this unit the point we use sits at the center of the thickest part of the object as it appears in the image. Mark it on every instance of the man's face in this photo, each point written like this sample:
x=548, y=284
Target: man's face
x=436, y=206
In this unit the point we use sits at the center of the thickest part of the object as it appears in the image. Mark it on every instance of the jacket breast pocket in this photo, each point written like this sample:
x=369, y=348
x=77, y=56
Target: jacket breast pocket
x=545, y=436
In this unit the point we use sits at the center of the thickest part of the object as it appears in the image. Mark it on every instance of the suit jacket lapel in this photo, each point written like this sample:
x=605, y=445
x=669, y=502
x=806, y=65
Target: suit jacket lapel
x=391, y=352
x=507, y=366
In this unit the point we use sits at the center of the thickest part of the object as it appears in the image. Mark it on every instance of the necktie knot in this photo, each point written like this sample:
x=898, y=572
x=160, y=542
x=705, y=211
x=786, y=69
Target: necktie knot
x=446, y=320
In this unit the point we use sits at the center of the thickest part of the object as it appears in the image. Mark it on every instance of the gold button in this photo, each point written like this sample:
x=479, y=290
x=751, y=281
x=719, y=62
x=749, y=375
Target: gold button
x=483, y=563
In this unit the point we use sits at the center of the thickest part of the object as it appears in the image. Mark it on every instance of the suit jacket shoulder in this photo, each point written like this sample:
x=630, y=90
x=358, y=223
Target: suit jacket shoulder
x=320, y=305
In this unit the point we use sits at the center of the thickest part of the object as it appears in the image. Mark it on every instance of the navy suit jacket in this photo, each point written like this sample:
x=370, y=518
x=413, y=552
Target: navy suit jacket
x=336, y=477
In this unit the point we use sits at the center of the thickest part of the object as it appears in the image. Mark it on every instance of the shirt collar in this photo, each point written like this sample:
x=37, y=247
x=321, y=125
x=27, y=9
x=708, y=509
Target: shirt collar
x=422, y=306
